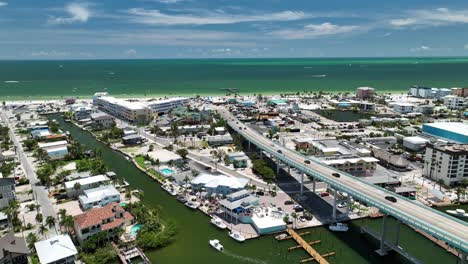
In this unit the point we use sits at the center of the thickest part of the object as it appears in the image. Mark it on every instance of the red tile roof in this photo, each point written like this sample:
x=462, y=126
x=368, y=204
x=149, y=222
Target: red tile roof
x=95, y=216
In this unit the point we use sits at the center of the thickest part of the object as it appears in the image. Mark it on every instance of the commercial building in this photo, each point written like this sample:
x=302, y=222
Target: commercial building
x=414, y=143
x=403, y=108
x=218, y=184
x=237, y=207
x=163, y=106
x=13, y=250
x=57, y=250
x=77, y=187
x=135, y=112
x=452, y=131
x=360, y=166
x=395, y=162
x=463, y=92
x=428, y=92
x=99, y=196
x=109, y=218
x=219, y=140
x=454, y=102
x=448, y=163
x=364, y=92
x=238, y=159
x=7, y=191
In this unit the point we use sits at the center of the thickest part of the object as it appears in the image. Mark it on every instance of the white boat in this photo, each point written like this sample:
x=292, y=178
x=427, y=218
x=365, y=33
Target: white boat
x=216, y=245
x=218, y=222
x=458, y=212
x=193, y=205
x=338, y=227
x=237, y=236
x=281, y=236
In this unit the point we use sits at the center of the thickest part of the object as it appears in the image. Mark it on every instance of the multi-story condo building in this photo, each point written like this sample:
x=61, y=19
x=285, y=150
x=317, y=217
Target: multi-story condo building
x=454, y=102
x=403, y=108
x=107, y=219
x=7, y=191
x=135, y=112
x=448, y=163
x=160, y=107
x=365, y=92
x=359, y=166
x=463, y=92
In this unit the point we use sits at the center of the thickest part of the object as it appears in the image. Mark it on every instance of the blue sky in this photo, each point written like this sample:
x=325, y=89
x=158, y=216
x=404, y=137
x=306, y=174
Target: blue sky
x=97, y=29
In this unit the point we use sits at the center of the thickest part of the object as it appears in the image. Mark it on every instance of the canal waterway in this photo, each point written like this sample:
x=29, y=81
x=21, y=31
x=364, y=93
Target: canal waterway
x=194, y=228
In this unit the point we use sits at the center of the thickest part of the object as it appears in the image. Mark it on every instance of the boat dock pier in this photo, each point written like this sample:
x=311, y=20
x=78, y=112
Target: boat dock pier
x=127, y=254
x=307, y=246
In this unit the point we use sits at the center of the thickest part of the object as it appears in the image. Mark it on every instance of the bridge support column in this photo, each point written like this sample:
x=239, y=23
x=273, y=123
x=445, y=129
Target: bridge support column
x=334, y=205
x=313, y=184
x=397, y=230
x=348, y=203
x=302, y=183
x=261, y=154
x=289, y=169
x=464, y=255
x=382, y=251
x=249, y=145
x=277, y=166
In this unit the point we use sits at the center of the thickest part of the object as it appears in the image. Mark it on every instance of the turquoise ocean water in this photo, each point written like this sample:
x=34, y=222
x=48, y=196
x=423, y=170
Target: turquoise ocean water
x=55, y=79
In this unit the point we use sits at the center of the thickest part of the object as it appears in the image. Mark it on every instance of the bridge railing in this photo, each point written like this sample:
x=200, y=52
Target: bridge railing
x=435, y=231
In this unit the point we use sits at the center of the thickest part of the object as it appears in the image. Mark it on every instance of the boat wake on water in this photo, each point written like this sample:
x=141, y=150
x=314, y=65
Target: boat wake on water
x=244, y=259
x=11, y=81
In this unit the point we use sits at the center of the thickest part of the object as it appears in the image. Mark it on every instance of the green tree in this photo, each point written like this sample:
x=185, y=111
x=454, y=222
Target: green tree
x=182, y=152
x=32, y=239
x=50, y=222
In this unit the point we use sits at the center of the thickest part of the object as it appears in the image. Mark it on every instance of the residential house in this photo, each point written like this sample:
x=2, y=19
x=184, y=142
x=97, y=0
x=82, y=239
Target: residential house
x=57, y=153
x=56, y=250
x=77, y=187
x=99, y=196
x=238, y=159
x=132, y=140
x=109, y=218
x=102, y=120
x=7, y=191
x=13, y=250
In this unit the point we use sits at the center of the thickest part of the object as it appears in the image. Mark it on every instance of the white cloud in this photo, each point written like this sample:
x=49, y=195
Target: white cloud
x=78, y=13
x=465, y=47
x=169, y=1
x=431, y=17
x=130, y=52
x=3, y=4
x=421, y=49
x=156, y=17
x=314, y=31
x=50, y=53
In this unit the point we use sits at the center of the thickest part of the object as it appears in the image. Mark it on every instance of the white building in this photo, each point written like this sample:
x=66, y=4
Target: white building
x=414, y=143
x=403, y=108
x=357, y=166
x=164, y=156
x=53, y=145
x=163, y=106
x=7, y=191
x=454, y=102
x=102, y=120
x=99, y=196
x=135, y=112
x=219, y=184
x=448, y=163
x=59, y=249
x=84, y=184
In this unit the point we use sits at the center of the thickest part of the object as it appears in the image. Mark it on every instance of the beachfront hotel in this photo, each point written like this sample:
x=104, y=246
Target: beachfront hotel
x=136, y=112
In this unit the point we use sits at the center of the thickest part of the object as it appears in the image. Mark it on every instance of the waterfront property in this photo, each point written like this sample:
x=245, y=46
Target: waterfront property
x=135, y=112
x=164, y=156
x=102, y=120
x=163, y=106
x=451, y=131
x=218, y=184
x=57, y=153
x=99, y=196
x=447, y=163
x=7, y=191
x=52, y=145
x=237, y=206
x=76, y=187
x=365, y=92
x=13, y=250
x=56, y=250
x=108, y=218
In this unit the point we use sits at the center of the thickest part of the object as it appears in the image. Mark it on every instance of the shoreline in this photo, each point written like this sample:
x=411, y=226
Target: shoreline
x=54, y=98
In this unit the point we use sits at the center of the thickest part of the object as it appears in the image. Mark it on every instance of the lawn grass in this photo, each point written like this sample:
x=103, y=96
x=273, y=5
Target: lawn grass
x=140, y=160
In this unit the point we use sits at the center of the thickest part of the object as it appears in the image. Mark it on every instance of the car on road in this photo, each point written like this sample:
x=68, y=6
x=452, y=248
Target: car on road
x=288, y=202
x=298, y=208
x=391, y=199
x=337, y=175
x=307, y=161
x=324, y=194
x=260, y=193
x=308, y=217
x=342, y=205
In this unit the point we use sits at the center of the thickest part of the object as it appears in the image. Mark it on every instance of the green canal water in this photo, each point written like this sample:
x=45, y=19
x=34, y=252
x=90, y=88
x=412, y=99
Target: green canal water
x=194, y=228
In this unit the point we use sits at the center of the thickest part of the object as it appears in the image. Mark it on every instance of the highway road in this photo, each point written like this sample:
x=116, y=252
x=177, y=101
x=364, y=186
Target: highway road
x=449, y=229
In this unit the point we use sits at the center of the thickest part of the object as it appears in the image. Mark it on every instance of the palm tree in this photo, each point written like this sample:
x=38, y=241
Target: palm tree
x=175, y=131
x=68, y=223
x=50, y=222
x=294, y=215
x=43, y=229
x=31, y=239
x=39, y=218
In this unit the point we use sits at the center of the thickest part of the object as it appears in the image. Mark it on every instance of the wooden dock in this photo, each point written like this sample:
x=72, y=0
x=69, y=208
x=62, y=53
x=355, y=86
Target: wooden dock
x=307, y=247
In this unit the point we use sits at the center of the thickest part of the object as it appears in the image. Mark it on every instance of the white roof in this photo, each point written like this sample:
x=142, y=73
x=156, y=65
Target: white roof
x=53, y=144
x=124, y=103
x=97, y=194
x=213, y=181
x=416, y=140
x=164, y=155
x=168, y=100
x=403, y=104
x=55, y=249
x=455, y=127
x=86, y=181
x=57, y=149
x=353, y=160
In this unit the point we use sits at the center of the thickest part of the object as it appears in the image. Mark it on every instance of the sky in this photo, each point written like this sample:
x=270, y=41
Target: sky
x=137, y=29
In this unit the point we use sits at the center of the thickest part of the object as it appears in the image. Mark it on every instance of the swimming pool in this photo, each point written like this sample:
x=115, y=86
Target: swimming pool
x=134, y=230
x=167, y=171
x=123, y=204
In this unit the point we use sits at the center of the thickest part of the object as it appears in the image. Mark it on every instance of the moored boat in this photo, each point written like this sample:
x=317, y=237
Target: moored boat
x=338, y=227
x=218, y=222
x=237, y=236
x=281, y=236
x=192, y=205
x=181, y=199
x=458, y=212
x=216, y=245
